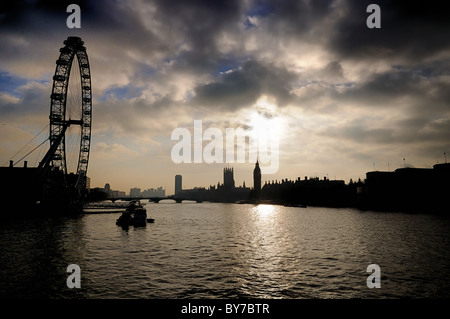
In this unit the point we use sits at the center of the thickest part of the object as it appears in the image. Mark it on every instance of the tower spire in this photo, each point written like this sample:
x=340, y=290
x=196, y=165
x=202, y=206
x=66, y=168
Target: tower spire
x=257, y=179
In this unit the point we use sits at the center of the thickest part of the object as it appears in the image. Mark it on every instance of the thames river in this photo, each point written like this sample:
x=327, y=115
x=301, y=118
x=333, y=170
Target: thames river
x=211, y=250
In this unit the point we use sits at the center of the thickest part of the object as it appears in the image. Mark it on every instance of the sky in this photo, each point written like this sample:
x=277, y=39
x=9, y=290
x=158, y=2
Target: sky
x=340, y=99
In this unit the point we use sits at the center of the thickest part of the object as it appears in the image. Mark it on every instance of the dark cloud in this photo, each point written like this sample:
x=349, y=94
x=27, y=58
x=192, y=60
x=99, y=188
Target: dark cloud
x=357, y=132
x=34, y=98
x=412, y=131
x=385, y=87
x=427, y=131
x=26, y=16
x=243, y=87
x=409, y=30
x=298, y=18
x=333, y=72
x=197, y=24
x=426, y=92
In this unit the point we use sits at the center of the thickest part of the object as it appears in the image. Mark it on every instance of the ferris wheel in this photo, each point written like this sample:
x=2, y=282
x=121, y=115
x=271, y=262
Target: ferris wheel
x=71, y=110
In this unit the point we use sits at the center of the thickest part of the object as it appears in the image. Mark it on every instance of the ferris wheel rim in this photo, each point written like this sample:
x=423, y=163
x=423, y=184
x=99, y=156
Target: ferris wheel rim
x=74, y=48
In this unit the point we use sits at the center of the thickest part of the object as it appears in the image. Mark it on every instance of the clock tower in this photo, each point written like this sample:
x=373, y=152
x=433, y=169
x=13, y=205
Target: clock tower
x=257, y=179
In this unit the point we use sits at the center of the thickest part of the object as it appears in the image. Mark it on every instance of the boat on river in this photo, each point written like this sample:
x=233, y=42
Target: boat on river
x=295, y=205
x=134, y=215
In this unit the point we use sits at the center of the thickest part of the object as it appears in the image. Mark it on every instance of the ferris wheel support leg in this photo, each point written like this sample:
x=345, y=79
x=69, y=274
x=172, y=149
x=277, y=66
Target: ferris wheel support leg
x=48, y=157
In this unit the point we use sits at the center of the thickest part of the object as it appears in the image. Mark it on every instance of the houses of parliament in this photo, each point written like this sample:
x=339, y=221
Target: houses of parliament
x=226, y=192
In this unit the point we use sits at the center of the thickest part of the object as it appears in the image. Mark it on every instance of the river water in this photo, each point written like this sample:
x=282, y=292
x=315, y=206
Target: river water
x=211, y=250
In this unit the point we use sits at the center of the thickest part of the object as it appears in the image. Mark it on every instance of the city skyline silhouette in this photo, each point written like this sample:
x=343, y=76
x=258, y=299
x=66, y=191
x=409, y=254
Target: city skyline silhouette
x=339, y=96
x=215, y=152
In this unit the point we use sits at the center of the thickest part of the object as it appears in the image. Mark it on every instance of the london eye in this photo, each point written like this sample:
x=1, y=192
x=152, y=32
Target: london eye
x=71, y=111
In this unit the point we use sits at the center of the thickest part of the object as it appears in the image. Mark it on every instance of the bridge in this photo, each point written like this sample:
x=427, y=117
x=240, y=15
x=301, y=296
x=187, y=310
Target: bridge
x=156, y=199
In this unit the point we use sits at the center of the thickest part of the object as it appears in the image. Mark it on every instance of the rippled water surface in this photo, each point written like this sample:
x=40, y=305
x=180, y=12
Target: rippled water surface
x=229, y=251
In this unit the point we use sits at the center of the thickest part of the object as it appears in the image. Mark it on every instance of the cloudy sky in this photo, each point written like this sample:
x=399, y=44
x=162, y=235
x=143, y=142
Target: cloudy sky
x=341, y=99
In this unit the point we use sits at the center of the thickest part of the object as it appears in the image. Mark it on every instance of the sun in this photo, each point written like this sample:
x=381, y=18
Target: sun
x=266, y=124
x=265, y=116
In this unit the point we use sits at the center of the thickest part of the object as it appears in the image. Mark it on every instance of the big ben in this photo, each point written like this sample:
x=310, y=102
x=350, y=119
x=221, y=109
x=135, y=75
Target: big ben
x=257, y=179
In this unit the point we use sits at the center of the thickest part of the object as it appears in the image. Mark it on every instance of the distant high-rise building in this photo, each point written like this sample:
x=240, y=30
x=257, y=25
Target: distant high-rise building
x=178, y=184
x=107, y=188
x=228, y=177
x=161, y=192
x=257, y=179
x=152, y=192
x=135, y=192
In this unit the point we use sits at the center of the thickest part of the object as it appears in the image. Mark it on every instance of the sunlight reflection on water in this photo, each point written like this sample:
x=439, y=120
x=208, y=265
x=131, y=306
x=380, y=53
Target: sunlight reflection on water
x=229, y=251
